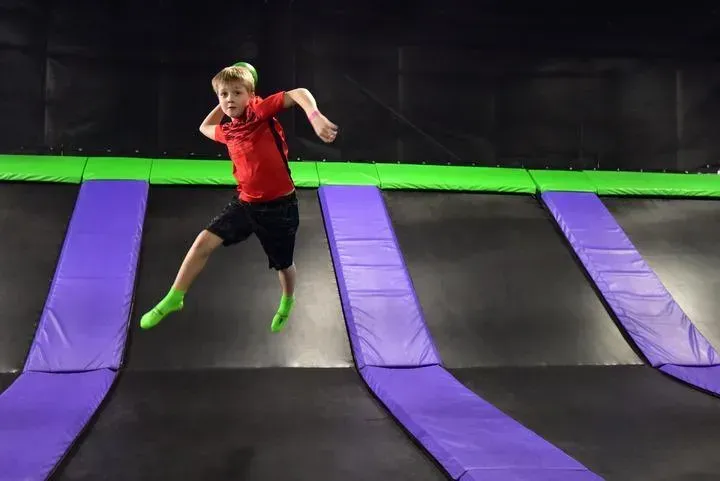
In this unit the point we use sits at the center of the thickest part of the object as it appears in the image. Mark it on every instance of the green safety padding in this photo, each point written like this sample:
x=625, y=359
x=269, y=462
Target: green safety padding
x=655, y=184
x=42, y=168
x=218, y=172
x=305, y=174
x=117, y=168
x=347, y=173
x=561, y=181
x=186, y=171
x=437, y=177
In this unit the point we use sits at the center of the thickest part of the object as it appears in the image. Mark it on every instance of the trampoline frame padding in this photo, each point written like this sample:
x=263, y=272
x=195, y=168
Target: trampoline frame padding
x=639, y=300
x=85, y=320
x=80, y=340
x=383, y=316
x=399, y=362
x=41, y=415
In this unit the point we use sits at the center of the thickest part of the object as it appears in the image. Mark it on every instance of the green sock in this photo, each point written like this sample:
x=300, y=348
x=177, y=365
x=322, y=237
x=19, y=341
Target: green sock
x=283, y=312
x=173, y=301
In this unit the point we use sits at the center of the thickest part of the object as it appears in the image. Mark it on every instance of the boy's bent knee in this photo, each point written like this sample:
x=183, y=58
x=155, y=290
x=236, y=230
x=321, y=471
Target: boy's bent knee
x=206, y=242
x=282, y=266
x=286, y=268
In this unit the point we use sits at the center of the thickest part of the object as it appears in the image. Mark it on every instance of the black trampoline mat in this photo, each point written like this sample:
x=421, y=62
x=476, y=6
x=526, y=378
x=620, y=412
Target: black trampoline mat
x=680, y=241
x=498, y=285
x=6, y=379
x=626, y=423
x=256, y=424
x=33, y=220
x=226, y=319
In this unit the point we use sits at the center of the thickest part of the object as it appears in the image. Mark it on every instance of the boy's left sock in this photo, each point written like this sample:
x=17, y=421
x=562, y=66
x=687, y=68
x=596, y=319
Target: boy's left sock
x=283, y=312
x=173, y=301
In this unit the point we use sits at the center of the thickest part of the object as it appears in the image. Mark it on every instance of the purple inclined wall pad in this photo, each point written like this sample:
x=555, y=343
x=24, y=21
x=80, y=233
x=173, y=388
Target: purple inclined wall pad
x=399, y=362
x=85, y=321
x=384, y=319
x=639, y=300
x=80, y=339
x=41, y=414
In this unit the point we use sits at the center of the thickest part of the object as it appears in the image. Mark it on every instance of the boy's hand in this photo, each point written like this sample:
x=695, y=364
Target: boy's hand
x=324, y=129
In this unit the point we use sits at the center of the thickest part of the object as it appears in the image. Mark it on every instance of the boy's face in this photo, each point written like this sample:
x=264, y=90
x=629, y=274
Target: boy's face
x=233, y=97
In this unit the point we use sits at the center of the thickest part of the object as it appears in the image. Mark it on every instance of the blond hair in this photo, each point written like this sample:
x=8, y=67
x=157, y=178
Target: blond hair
x=234, y=74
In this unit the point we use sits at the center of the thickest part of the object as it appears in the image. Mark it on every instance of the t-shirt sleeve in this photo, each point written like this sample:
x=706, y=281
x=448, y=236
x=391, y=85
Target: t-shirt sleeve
x=270, y=106
x=220, y=134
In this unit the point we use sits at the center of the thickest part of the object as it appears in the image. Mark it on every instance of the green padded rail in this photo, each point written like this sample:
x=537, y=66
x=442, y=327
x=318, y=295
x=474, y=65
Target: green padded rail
x=194, y=172
x=655, y=184
x=42, y=168
x=347, y=173
x=117, y=168
x=218, y=172
x=75, y=169
x=562, y=181
x=305, y=174
x=454, y=178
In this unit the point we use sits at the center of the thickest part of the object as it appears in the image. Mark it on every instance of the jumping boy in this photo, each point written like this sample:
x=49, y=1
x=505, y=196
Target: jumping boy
x=265, y=203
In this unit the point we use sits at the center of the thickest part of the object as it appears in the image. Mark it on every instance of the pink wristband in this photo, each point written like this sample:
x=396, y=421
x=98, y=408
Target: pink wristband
x=314, y=114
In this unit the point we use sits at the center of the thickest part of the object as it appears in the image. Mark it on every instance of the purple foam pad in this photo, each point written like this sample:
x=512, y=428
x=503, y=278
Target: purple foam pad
x=529, y=475
x=41, y=414
x=465, y=433
x=639, y=300
x=85, y=320
x=383, y=316
x=704, y=377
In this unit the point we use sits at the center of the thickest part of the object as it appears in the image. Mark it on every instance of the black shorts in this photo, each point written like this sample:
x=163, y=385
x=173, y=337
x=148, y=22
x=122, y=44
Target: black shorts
x=275, y=223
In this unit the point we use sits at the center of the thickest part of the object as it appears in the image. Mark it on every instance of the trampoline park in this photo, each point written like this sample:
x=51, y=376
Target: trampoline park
x=463, y=323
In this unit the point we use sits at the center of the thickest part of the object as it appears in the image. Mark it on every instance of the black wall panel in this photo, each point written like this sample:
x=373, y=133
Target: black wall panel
x=455, y=82
x=193, y=44
x=22, y=72
x=22, y=107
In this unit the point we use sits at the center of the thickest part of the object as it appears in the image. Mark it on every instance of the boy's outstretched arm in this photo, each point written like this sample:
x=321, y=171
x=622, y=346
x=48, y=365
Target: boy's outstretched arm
x=212, y=120
x=325, y=129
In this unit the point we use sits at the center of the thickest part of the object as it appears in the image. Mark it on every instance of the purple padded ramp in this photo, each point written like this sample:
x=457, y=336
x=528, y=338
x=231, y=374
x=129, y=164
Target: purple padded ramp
x=384, y=320
x=464, y=433
x=41, y=414
x=85, y=320
x=641, y=303
x=704, y=377
x=527, y=475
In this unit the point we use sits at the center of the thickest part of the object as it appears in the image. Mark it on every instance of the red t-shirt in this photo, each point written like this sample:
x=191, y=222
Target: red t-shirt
x=258, y=150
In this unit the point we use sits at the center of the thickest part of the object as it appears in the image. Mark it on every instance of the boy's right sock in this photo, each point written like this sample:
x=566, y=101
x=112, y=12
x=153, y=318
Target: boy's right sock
x=172, y=302
x=283, y=312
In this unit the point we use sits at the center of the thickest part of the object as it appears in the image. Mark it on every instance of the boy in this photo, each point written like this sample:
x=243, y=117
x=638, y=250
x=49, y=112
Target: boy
x=265, y=203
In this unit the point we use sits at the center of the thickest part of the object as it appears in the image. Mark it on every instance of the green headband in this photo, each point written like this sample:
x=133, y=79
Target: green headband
x=250, y=68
